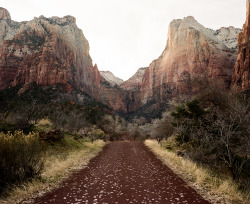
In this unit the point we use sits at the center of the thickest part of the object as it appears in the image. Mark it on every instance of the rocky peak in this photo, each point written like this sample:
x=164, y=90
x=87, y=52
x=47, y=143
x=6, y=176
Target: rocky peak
x=47, y=51
x=191, y=51
x=60, y=21
x=111, y=78
x=134, y=82
x=228, y=36
x=4, y=14
x=189, y=27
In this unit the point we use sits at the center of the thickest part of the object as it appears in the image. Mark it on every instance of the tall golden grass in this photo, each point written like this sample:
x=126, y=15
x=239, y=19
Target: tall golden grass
x=217, y=189
x=56, y=168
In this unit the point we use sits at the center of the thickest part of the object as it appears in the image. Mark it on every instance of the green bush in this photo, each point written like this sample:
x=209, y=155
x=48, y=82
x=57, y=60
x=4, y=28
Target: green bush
x=20, y=158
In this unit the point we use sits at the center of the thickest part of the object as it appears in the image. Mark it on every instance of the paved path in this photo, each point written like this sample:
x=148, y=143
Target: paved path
x=124, y=172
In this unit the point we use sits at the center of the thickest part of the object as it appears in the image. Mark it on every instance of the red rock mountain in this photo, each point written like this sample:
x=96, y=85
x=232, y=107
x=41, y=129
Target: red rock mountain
x=125, y=98
x=191, y=50
x=241, y=76
x=52, y=51
x=47, y=51
x=121, y=100
x=134, y=83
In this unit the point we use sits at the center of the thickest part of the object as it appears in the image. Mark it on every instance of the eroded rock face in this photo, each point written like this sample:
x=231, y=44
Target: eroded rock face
x=120, y=100
x=134, y=83
x=4, y=14
x=47, y=51
x=241, y=76
x=228, y=36
x=191, y=51
x=52, y=51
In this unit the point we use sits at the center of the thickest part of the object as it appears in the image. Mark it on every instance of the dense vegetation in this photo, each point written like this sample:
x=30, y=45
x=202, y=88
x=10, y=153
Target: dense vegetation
x=68, y=112
x=212, y=129
x=42, y=118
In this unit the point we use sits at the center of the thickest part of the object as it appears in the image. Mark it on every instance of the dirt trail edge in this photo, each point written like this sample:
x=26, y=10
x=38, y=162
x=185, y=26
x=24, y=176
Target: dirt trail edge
x=124, y=172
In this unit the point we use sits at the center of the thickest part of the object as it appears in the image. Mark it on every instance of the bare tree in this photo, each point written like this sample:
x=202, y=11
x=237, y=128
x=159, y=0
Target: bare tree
x=216, y=124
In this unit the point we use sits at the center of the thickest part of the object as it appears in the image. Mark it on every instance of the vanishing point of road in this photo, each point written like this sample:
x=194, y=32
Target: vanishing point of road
x=124, y=172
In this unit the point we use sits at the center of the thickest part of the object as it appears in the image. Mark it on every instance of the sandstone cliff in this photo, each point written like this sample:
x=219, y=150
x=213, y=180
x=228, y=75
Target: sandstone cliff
x=120, y=100
x=241, y=76
x=191, y=50
x=47, y=51
x=125, y=98
x=134, y=83
x=52, y=51
x=111, y=78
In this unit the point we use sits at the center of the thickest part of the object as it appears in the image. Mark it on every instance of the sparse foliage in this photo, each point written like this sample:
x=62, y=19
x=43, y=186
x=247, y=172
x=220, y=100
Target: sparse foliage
x=163, y=128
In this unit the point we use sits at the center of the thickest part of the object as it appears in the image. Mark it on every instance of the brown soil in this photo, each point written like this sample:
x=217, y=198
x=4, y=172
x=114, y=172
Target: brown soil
x=124, y=172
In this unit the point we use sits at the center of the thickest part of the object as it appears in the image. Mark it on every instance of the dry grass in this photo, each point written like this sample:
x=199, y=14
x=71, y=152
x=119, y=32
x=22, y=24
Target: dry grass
x=45, y=122
x=217, y=190
x=56, y=169
x=44, y=125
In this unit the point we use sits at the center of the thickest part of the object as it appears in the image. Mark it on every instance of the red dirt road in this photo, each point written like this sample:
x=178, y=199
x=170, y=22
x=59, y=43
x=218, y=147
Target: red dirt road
x=124, y=172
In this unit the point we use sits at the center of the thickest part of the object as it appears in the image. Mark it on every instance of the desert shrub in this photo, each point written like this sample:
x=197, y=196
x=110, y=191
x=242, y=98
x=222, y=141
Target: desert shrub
x=67, y=112
x=136, y=132
x=162, y=128
x=20, y=115
x=20, y=158
x=28, y=115
x=107, y=124
x=186, y=120
x=114, y=127
x=96, y=134
x=68, y=117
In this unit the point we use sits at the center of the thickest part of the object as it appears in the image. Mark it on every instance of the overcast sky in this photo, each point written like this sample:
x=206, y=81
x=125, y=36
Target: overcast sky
x=125, y=35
